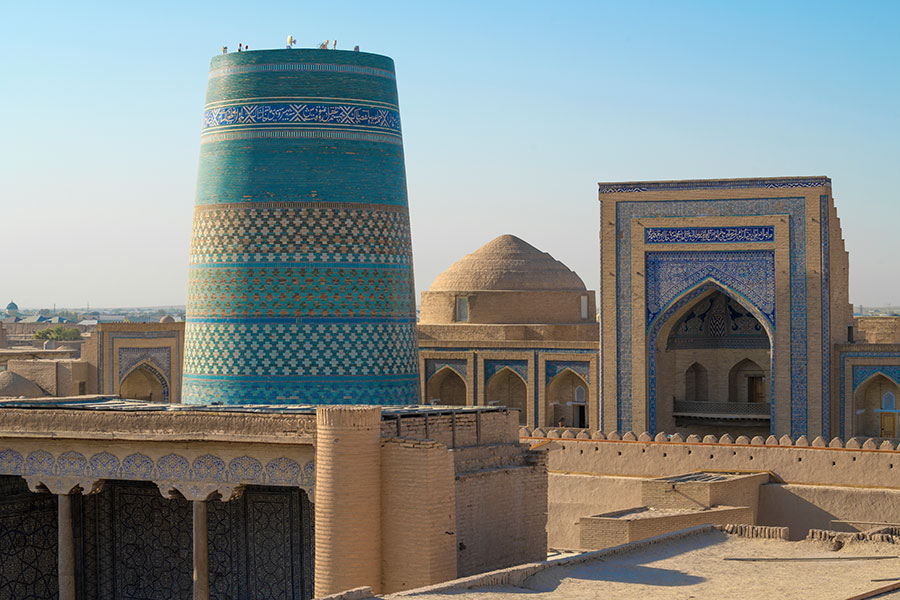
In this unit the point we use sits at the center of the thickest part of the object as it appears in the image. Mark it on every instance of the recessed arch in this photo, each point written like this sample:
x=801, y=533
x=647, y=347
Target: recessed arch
x=661, y=396
x=745, y=380
x=507, y=388
x=144, y=382
x=871, y=419
x=566, y=400
x=696, y=383
x=447, y=387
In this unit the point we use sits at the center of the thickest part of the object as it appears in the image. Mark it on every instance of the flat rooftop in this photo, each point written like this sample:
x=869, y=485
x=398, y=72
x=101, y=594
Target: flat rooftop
x=702, y=566
x=114, y=403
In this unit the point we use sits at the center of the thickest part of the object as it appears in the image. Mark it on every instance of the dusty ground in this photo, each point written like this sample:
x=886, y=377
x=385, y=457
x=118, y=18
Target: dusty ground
x=694, y=568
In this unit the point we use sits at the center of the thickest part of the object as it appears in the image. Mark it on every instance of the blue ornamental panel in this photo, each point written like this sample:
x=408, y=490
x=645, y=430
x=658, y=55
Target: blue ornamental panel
x=708, y=235
x=555, y=367
x=792, y=207
x=748, y=273
x=432, y=366
x=863, y=372
x=492, y=367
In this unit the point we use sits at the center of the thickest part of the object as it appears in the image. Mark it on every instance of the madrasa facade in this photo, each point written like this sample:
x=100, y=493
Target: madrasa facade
x=724, y=308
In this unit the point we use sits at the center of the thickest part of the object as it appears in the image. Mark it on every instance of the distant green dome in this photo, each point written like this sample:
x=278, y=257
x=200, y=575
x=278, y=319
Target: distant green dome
x=12, y=306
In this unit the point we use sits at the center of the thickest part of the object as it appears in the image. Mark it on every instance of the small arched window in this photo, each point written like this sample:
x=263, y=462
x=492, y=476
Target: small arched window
x=888, y=401
x=580, y=395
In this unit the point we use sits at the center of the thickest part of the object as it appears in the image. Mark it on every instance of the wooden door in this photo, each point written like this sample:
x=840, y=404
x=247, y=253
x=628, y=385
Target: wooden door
x=888, y=424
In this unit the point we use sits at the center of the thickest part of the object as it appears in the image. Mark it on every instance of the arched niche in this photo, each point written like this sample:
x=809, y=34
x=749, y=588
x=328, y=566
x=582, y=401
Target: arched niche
x=447, y=387
x=507, y=388
x=872, y=418
x=145, y=383
x=714, y=328
x=696, y=383
x=746, y=382
x=567, y=400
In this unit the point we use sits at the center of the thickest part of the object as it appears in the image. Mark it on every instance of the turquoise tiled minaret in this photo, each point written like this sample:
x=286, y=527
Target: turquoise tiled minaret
x=301, y=285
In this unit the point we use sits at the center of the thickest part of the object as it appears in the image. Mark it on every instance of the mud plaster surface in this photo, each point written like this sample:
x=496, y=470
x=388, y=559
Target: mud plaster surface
x=694, y=568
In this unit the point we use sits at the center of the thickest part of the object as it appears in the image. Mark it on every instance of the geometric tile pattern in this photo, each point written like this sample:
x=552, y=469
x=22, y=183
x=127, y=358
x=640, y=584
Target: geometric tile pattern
x=554, y=368
x=303, y=390
x=131, y=357
x=291, y=290
x=291, y=349
x=863, y=372
x=700, y=235
x=826, y=316
x=492, y=367
x=749, y=273
x=716, y=184
x=28, y=542
x=301, y=284
x=433, y=366
x=306, y=232
x=793, y=208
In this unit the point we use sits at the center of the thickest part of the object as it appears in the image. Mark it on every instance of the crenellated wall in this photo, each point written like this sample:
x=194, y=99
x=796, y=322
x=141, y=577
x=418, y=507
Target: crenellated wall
x=813, y=484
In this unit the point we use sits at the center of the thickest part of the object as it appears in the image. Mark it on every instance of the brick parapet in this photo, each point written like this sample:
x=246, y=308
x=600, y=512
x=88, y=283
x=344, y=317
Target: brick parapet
x=869, y=463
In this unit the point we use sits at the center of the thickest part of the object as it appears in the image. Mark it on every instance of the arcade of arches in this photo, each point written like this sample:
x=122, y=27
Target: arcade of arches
x=565, y=404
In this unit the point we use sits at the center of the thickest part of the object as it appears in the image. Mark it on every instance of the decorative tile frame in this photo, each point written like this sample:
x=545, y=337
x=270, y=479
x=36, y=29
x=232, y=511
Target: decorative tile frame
x=627, y=213
x=825, y=231
x=856, y=363
x=521, y=362
x=552, y=364
x=464, y=363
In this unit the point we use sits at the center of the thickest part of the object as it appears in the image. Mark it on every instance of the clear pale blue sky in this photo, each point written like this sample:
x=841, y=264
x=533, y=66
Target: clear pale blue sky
x=512, y=112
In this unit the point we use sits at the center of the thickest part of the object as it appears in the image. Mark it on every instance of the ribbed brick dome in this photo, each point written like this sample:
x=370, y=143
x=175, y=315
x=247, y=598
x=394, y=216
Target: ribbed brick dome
x=507, y=263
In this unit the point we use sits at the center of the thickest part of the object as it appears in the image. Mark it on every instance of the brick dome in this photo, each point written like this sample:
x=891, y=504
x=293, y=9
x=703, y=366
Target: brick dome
x=13, y=385
x=507, y=263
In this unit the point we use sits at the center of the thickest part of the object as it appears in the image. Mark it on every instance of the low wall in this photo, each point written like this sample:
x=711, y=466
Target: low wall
x=603, y=531
x=814, y=483
x=454, y=428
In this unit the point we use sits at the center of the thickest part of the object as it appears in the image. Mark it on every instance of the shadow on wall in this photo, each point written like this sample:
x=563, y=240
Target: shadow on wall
x=623, y=569
x=781, y=506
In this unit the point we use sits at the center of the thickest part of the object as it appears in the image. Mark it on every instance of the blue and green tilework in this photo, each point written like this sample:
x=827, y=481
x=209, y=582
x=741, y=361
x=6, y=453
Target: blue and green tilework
x=301, y=288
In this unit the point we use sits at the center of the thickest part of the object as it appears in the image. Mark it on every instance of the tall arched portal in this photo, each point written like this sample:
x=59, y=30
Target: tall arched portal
x=875, y=403
x=507, y=388
x=446, y=387
x=567, y=400
x=713, y=362
x=144, y=383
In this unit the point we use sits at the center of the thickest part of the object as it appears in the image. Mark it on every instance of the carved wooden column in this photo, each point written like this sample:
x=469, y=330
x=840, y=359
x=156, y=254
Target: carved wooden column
x=201, y=551
x=66, y=563
x=63, y=488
